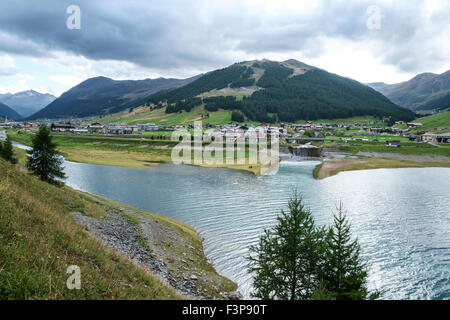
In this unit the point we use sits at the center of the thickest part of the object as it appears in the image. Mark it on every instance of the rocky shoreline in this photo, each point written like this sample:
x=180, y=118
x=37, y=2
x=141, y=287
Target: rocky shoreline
x=161, y=249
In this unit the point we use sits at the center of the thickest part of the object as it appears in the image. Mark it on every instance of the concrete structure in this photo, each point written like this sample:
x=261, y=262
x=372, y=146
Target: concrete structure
x=435, y=138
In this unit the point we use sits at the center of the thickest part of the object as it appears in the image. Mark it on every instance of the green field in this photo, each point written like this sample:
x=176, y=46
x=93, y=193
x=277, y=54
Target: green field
x=407, y=148
x=234, y=92
x=134, y=152
x=436, y=121
x=159, y=117
x=221, y=117
x=353, y=120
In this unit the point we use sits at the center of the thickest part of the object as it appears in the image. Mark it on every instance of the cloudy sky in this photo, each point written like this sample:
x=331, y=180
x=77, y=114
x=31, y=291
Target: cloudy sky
x=369, y=41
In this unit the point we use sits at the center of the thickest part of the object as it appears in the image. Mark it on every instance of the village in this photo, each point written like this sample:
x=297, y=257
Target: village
x=292, y=134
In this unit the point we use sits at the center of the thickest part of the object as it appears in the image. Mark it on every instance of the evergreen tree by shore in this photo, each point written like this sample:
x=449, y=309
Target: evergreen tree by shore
x=44, y=161
x=297, y=260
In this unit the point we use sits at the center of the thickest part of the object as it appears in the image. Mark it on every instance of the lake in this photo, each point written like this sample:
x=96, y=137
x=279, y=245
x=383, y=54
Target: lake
x=400, y=216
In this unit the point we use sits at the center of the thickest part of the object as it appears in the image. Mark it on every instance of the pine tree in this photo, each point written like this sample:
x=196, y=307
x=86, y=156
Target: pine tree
x=296, y=260
x=344, y=274
x=285, y=261
x=44, y=161
x=7, y=152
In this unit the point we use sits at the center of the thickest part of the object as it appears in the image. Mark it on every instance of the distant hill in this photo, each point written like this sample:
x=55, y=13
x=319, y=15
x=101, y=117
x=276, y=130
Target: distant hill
x=438, y=104
x=436, y=121
x=27, y=102
x=6, y=111
x=281, y=91
x=377, y=85
x=423, y=92
x=101, y=96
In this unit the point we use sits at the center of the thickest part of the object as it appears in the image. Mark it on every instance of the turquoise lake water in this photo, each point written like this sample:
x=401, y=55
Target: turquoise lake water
x=400, y=216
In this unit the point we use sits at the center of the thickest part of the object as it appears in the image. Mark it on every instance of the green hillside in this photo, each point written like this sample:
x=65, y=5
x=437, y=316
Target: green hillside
x=39, y=240
x=160, y=117
x=425, y=91
x=282, y=92
x=100, y=96
x=439, y=120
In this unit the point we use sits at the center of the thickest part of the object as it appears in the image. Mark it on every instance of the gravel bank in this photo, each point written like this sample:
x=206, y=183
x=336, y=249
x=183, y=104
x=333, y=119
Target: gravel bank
x=162, y=249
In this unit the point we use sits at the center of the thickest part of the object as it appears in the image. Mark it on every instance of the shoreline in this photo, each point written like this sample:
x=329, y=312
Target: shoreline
x=168, y=249
x=332, y=166
x=142, y=159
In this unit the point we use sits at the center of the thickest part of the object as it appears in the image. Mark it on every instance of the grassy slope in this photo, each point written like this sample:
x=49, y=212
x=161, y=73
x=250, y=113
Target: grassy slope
x=361, y=120
x=39, y=240
x=143, y=115
x=439, y=120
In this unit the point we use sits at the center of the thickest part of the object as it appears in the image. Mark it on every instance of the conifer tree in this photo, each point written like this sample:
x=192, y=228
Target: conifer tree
x=7, y=152
x=344, y=274
x=285, y=261
x=297, y=260
x=44, y=161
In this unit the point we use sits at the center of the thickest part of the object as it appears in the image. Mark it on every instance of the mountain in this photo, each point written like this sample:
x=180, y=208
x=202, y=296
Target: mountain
x=101, y=95
x=270, y=91
x=377, y=85
x=423, y=92
x=6, y=111
x=439, y=104
x=27, y=102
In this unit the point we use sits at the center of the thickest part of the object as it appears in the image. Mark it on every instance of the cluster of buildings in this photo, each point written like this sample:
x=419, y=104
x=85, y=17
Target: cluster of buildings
x=9, y=124
x=233, y=132
x=113, y=128
x=435, y=137
x=229, y=132
x=369, y=129
x=291, y=133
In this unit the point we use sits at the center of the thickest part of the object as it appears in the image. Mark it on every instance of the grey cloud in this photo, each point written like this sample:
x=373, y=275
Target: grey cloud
x=203, y=34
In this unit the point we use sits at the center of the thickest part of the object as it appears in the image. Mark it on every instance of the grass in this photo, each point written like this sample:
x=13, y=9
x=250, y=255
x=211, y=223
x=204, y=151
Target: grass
x=233, y=92
x=159, y=117
x=39, y=240
x=185, y=256
x=221, y=117
x=439, y=120
x=410, y=148
x=132, y=152
x=125, y=152
x=334, y=166
x=353, y=120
